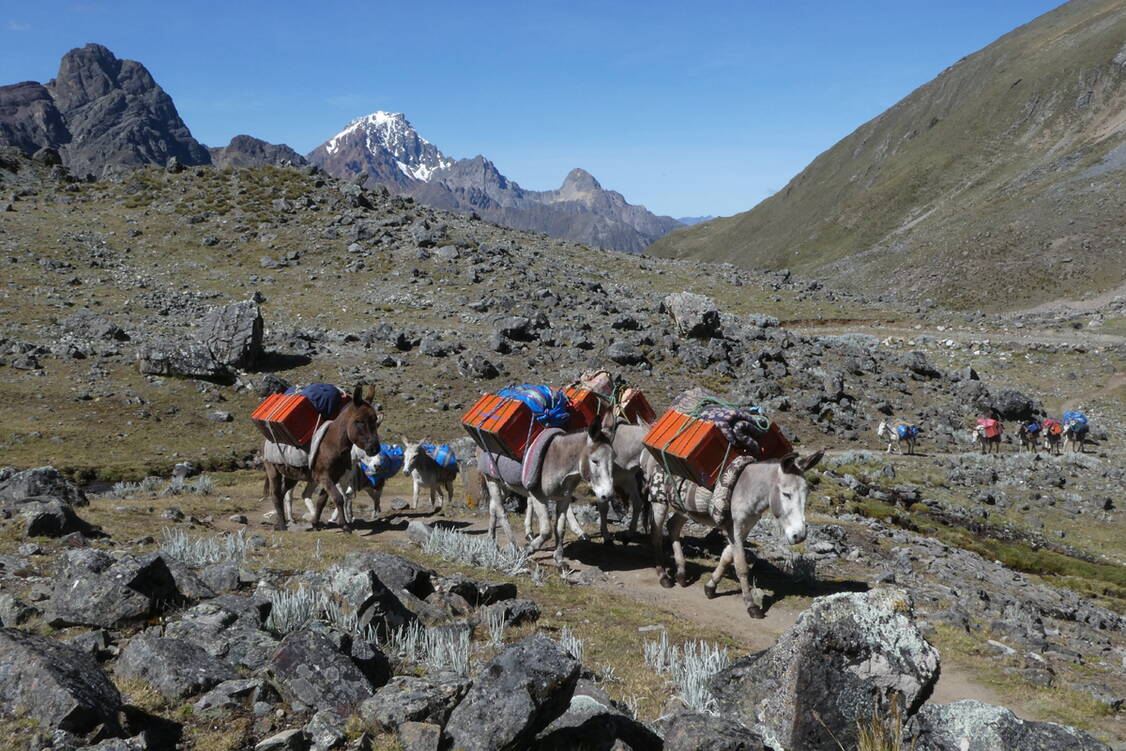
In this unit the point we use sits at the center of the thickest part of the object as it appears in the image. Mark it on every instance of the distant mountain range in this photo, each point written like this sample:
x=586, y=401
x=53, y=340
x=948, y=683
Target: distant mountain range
x=1000, y=183
x=386, y=146
x=688, y=221
x=103, y=114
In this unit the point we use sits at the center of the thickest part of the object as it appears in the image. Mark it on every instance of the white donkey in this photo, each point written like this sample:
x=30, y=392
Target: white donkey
x=349, y=486
x=428, y=473
x=779, y=486
x=886, y=432
x=570, y=458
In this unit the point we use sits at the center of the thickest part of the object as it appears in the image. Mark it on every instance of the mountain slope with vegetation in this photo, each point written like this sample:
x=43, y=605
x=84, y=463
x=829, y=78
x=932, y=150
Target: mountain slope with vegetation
x=996, y=185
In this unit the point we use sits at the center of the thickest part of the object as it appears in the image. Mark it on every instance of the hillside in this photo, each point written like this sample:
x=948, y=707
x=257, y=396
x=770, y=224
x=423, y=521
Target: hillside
x=997, y=185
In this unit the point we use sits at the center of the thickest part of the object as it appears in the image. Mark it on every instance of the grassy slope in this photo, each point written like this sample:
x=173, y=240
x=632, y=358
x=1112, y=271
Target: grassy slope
x=973, y=175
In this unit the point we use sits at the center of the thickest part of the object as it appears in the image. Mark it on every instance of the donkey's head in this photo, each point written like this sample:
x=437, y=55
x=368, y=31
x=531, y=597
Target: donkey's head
x=411, y=454
x=882, y=429
x=597, y=461
x=787, y=500
x=363, y=421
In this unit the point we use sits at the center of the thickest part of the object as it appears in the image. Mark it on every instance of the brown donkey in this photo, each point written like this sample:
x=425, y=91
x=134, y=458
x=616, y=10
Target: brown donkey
x=356, y=425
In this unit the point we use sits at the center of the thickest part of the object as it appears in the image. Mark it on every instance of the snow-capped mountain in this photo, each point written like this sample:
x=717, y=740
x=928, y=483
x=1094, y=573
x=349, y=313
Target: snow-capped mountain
x=381, y=144
x=385, y=146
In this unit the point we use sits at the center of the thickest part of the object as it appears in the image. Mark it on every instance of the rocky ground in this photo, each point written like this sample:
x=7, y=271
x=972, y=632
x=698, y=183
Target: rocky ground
x=144, y=317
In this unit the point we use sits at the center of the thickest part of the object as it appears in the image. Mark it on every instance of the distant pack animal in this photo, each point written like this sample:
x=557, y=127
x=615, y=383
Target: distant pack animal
x=570, y=458
x=987, y=435
x=354, y=481
x=1075, y=430
x=427, y=473
x=356, y=425
x=778, y=486
x=1029, y=435
x=897, y=436
x=1052, y=430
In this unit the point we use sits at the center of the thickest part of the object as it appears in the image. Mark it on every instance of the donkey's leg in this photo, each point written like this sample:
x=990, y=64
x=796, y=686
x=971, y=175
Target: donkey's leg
x=528, y=521
x=717, y=575
x=544, y=522
x=657, y=540
x=573, y=522
x=603, y=529
x=330, y=490
x=736, y=535
x=562, y=506
x=414, y=494
x=497, y=514
x=675, y=528
x=275, y=482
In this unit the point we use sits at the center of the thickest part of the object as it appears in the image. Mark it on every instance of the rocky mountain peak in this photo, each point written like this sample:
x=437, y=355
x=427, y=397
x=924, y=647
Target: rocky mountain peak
x=579, y=180
x=391, y=132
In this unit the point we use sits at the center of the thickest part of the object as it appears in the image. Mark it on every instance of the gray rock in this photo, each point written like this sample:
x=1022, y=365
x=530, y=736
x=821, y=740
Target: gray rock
x=378, y=607
x=287, y=740
x=970, y=725
x=517, y=694
x=14, y=611
x=916, y=361
x=418, y=532
x=410, y=698
x=51, y=517
x=88, y=325
x=420, y=736
x=189, y=361
x=138, y=742
x=56, y=685
x=40, y=482
x=233, y=334
x=1011, y=404
x=177, y=669
x=517, y=328
x=625, y=353
x=595, y=725
x=325, y=731
x=694, y=315
x=479, y=368
x=229, y=696
x=229, y=628
x=395, y=571
x=309, y=670
x=845, y=656
x=479, y=593
x=693, y=731
x=88, y=591
x=517, y=611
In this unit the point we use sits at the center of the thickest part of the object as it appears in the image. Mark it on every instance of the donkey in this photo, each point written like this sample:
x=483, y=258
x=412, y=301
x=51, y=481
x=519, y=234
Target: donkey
x=987, y=443
x=886, y=432
x=353, y=481
x=425, y=471
x=1027, y=438
x=627, y=484
x=584, y=455
x=779, y=486
x=1053, y=436
x=1074, y=437
x=356, y=425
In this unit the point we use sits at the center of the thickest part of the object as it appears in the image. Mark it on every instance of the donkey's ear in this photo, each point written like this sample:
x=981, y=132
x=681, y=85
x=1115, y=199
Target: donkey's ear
x=594, y=429
x=358, y=395
x=378, y=419
x=405, y=441
x=369, y=392
x=810, y=462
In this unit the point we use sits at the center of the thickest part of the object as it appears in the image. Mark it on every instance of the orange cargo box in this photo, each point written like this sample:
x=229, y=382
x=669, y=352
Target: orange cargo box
x=501, y=426
x=636, y=408
x=287, y=418
x=691, y=448
x=773, y=444
x=585, y=406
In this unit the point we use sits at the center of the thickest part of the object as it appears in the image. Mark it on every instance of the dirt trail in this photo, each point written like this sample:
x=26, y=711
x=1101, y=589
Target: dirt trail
x=1011, y=336
x=629, y=573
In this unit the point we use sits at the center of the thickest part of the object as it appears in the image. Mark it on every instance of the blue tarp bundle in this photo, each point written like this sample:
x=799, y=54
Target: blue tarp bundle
x=389, y=465
x=443, y=455
x=549, y=406
x=326, y=398
x=1075, y=420
x=1032, y=427
x=907, y=431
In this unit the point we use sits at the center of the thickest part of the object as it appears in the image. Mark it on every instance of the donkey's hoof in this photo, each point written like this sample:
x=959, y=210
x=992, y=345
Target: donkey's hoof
x=279, y=526
x=682, y=580
x=346, y=528
x=709, y=590
x=755, y=611
x=666, y=581
x=608, y=541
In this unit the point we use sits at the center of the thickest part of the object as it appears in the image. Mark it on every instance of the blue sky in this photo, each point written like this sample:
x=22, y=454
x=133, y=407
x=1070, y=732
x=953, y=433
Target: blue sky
x=688, y=110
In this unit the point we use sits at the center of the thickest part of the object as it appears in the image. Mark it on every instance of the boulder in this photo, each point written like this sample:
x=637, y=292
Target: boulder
x=177, y=669
x=88, y=325
x=844, y=658
x=694, y=315
x=419, y=736
x=37, y=483
x=229, y=696
x=517, y=694
x=309, y=670
x=916, y=361
x=516, y=328
x=414, y=699
x=625, y=353
x=57, y=686
x=394, y=571
x=189, y=361
x=52, y=517
x=970, y=725
x=14, y=611
x=595, y=726
x=325, y=731
x=295, y=739
x=376, y=604
x=1011, y=404
x=233, y=333
x=229, y=628
x=89, y=589
x=695, y=731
